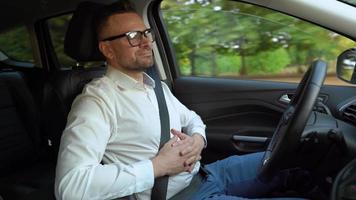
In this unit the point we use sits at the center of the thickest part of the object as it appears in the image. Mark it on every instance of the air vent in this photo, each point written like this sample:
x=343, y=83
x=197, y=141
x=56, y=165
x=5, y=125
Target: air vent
x=349, y=113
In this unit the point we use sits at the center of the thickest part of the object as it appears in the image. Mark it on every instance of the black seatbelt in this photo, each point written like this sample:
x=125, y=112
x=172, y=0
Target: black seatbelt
x=159, y=190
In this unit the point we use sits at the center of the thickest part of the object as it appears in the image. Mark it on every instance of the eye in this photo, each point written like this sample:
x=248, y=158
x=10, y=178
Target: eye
x=133, y=35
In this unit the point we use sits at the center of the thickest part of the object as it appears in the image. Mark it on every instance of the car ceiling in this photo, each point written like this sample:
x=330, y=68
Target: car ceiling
x=16, y=12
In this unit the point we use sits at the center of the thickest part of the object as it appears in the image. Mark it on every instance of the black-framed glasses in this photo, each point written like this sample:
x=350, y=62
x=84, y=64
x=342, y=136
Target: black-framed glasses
x=134, y=37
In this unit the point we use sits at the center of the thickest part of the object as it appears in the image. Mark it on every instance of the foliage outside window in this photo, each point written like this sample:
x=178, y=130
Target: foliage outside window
x=58, y=27
x=352, y=2
x=15, y=43
x=235, y=40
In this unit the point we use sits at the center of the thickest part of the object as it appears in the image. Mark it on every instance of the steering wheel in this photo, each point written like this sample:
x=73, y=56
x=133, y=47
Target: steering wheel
x=287, y=135
x=344, y=186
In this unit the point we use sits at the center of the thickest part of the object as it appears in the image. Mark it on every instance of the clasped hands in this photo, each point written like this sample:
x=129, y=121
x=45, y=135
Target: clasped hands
x=179, y=154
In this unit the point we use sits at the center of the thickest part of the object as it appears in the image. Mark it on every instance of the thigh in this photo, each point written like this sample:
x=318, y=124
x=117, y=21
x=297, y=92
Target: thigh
x=224, y=172
x=226, y=197
x=236, y=168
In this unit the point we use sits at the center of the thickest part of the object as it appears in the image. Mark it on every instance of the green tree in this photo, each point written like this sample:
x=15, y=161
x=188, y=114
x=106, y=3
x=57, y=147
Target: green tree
x=269, y=62
x=15, y=43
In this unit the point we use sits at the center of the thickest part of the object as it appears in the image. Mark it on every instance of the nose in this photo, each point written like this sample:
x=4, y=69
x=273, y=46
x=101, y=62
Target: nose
x=145, y=42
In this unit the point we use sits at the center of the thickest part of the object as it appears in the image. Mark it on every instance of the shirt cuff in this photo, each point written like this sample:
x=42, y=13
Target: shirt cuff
x=144, y=175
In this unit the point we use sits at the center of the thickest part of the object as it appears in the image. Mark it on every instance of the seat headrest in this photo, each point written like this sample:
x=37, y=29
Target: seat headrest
x=81, y=41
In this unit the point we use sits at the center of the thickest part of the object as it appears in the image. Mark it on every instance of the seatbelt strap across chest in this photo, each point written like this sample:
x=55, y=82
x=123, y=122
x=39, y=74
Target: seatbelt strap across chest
x=159, y=190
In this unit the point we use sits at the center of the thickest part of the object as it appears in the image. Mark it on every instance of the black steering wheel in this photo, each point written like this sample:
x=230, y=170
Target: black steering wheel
x=344, y=186
x=287, y=135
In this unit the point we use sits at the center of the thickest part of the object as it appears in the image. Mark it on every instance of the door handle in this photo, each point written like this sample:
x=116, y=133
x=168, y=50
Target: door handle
x=249, y=144
x=284, y=98
x=254, y=139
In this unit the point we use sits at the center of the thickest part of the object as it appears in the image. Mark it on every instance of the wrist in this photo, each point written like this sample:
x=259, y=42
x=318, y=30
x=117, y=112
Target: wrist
x=198, y=137
x=158, y=169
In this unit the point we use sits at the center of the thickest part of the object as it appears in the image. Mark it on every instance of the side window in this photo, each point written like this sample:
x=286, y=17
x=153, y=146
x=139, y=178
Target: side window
x=236, y=40
x=15, y=44
x=58, y=28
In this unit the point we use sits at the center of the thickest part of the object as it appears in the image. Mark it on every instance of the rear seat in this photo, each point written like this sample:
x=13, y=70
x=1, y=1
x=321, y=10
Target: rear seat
x=20, y=123
x=21, y=169
x=27, y=169
x=25, y=173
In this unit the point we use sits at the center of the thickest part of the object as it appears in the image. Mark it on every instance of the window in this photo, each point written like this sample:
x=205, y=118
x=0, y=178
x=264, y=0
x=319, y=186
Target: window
x=351, y=2
x=16, y=45
x=58, y=27
x=236, y=40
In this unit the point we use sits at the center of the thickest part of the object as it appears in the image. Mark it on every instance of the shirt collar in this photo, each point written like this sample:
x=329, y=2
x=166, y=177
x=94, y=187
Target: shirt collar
x=126, y=82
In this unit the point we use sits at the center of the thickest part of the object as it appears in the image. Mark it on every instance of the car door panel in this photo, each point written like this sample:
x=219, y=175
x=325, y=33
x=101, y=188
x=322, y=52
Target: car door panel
x=241, y=115
x=234, y=108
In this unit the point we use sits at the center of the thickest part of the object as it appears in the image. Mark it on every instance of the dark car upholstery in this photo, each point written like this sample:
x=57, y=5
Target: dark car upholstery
x=64, y=85
x=27, y=167
x=80, y=42
x=19, y=129
x=22, y=171
x=59, y=93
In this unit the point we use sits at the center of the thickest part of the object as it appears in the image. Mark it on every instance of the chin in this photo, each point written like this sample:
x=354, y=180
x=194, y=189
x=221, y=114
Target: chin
x=146, y=64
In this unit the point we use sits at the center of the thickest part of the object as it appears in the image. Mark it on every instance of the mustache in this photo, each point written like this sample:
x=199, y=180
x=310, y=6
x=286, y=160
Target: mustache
x=145, y=52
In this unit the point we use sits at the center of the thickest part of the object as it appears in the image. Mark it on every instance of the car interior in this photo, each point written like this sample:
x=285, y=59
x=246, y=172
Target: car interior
x=242, y=116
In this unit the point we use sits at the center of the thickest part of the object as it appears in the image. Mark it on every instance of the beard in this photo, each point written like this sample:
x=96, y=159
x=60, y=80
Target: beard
x=140, y=63
x=143, y=63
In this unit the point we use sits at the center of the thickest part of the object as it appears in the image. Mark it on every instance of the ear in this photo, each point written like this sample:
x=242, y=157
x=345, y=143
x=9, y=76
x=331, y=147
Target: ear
x=106, y=50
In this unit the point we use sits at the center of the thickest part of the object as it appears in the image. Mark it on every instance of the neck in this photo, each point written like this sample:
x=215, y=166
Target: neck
x=135, y=74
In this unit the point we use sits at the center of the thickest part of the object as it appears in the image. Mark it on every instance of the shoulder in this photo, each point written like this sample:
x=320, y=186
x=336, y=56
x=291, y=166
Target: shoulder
x=102, y=84
x=100, y=87
x=99, y=90
x=165, y=88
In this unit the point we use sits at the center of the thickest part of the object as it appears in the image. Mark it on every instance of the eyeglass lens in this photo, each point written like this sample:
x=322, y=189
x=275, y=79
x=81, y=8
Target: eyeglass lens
x=135, y=37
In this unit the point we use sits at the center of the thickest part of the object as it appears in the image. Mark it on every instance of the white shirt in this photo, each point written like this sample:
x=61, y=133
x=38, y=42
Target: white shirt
x=116, y=121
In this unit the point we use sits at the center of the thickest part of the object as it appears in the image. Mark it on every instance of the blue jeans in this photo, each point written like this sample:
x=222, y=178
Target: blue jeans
x=234, y=178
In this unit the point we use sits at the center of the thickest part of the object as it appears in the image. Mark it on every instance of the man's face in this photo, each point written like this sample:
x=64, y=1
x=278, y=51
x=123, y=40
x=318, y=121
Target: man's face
x=120, y=54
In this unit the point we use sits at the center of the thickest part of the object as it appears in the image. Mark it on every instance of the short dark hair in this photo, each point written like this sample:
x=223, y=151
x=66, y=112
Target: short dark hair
x=104, y=12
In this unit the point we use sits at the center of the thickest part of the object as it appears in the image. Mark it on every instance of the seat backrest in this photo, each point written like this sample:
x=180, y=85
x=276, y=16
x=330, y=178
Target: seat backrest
x=63, y=86
x=19, y=125
x=59, y=92
x=81, y=41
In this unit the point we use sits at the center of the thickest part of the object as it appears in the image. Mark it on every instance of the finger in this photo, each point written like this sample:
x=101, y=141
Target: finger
x=186, y=142
x=181, y=135
x=191, y=167
x=172, y=140
x=190, y=161
x=176, y=143
x=188, y=150
x=199, y=158
x=187, y=169
x=174, y=131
